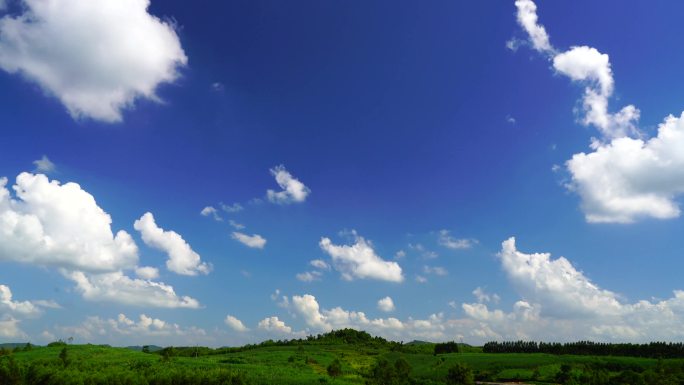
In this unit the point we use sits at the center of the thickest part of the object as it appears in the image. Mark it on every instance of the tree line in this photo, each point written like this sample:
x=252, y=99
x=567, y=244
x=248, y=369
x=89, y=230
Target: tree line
x=649, y=350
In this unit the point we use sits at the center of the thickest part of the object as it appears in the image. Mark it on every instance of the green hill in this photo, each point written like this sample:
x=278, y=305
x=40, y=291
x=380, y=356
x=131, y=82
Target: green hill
x=362, y=359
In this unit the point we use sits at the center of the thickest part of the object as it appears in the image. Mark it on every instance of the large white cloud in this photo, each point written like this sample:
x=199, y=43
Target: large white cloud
x=96, y=57
x=182, y=258
x=561, y=303
x=562, y=289
x=360, y=261
x=117, y=287
x=627, y=176
x=61, y=225
x=293, y=191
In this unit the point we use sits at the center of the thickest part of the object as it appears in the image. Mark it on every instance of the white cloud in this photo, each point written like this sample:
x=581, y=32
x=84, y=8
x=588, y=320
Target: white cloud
x=12, y=312
x=182, y=259
x=147, y=272
x=209, y=210
x=562, y=303
x=386, y=304
x=146, y=330
x=446, y=240
x=293, y=191
x=235, y=324
x=586, y=64
x=235, y=225
x=527, y=18
x=399, y=254
x=557, y=303
x=320, y=264
x=628, y=179
x=96, y=74
x=627, y=176
x=7, y=306
x=436, y=270
x=231, y=209
x=309, y=276
x=308, y=308
x=51, y=224
x=274, y=325
x=119, y=288
x=360, y=261
x=421, y=279
x=44, y=165
x=555, y=283
x=483, y=296
x=61, y=225
x=9, y=328
x=254, y=241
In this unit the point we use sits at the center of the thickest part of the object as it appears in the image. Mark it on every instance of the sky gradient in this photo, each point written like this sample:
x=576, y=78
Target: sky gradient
x=244, y=170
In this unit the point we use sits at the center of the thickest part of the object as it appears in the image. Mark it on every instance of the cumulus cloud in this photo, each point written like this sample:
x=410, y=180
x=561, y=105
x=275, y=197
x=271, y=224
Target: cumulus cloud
x=558, y=300
x=235, y=324
x=95, y=74
x=386, y=304
x=44, y=165
x=254, y=241
x=182, y=259
x=360, y=261
x=117, y=287
x=12, y=312
x=9, y=328
x=627, y=176
x=293, y=191
x=211, y=211
x=147, y=272
x=60, y=225
x=274, y=325
x=556, y=283
x=307, y=307
x=445, y=239
x=628, y=179
x=145, y=330
x=8, y=306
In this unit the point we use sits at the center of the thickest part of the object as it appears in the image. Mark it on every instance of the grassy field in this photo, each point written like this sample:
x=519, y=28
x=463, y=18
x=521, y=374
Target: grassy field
x=304, y=364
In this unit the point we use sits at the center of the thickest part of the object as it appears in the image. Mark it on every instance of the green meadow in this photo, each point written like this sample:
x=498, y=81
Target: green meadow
x=323, y=361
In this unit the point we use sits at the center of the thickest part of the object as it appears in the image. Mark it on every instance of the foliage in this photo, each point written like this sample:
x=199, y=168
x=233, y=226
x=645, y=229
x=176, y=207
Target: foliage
x=652, y=350
x=460, y=374
x=335, y=368
x=447, y=347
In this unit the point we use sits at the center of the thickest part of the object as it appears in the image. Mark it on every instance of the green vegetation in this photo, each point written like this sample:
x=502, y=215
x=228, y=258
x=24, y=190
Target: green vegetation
x=340, y=357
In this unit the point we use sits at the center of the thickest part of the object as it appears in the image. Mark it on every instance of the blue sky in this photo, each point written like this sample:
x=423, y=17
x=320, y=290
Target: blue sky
x=404, y=147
